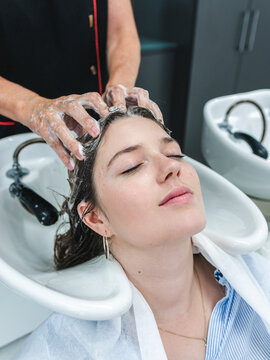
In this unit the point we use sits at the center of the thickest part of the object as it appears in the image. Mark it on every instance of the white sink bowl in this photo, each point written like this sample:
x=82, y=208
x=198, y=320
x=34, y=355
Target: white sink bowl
x=233, y=158
x=94, y=290
x=97, y=289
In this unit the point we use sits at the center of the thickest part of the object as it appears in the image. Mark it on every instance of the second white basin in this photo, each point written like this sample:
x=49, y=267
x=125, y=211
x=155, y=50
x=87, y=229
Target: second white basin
x=233, y=158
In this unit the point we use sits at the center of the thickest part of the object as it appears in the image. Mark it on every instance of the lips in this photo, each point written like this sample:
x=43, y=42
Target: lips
x=175, y=193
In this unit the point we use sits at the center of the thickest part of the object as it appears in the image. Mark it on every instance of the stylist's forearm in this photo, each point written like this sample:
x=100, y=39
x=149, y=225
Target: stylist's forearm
x=14, y=100
x=124, y=58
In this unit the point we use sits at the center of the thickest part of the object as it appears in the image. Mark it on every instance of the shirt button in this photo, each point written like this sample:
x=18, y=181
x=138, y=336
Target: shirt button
x=91, y=20
x=93, y=69
x=218, y=275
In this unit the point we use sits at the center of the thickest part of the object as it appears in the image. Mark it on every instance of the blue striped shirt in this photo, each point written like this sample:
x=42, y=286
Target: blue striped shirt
x=235, y=330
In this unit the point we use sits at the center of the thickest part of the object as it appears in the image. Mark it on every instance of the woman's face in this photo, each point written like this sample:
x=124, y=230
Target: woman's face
x=131, y=198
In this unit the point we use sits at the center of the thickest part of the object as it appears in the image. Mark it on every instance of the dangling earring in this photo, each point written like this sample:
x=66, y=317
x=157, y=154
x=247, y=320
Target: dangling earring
x=106, y=247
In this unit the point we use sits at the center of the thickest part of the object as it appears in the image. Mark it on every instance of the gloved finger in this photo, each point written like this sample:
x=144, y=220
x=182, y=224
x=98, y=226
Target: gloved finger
x=77, y=112
x=156, y=110
x=138, y=95
x=116, y=96
x=52, y=140
x=93, y=100
x=143, y=100
x=63, y=133
x=143, y=97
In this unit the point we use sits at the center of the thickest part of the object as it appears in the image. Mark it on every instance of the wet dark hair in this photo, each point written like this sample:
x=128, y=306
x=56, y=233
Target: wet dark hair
x=80, y=243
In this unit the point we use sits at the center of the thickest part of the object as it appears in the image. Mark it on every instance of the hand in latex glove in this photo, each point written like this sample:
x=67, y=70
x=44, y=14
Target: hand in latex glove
x=121, y=97
x=54, y=118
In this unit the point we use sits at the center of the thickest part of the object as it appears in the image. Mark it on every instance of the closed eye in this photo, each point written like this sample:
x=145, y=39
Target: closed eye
x=177, y=156
x=132, y=169
x=135, y=167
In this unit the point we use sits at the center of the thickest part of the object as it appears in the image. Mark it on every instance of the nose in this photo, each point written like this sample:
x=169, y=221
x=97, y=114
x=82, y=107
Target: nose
x=168, y=168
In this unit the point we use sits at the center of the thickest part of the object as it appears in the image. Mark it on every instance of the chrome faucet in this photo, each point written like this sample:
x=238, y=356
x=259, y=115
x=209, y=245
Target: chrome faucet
x=45, y=212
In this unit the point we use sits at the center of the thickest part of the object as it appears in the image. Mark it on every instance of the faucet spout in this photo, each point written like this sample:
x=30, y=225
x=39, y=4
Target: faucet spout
x=46, y=213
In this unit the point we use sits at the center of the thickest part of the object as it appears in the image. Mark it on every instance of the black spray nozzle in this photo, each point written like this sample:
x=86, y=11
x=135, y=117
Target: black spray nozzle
x=256, y=146
x=46, y=213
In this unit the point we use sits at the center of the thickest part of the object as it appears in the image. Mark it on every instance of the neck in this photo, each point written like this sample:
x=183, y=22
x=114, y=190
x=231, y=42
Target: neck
x=164, y=275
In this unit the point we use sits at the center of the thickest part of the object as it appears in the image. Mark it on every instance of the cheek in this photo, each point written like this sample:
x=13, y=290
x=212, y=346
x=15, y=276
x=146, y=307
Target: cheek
x=189, y=171
x=191, y=178
x=124, y=200
x=131, y=210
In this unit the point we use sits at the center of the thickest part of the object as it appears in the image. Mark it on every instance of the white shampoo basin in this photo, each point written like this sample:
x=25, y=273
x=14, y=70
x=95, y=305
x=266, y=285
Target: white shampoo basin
x=97, y=289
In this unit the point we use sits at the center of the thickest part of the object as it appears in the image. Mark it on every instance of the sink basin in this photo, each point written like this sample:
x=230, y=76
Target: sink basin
x=234, y=158
x=97, y=289
x=87, y=291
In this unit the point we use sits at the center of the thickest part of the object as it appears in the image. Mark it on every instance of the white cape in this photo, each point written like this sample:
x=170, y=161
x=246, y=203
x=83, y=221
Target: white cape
x=135, y=335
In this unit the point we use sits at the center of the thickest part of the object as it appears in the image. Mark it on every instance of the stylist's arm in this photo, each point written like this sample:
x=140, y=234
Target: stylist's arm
x=53, y=119
x=123, y=58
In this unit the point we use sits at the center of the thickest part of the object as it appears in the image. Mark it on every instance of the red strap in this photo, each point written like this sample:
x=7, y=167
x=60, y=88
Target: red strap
x=7, y=123
x=97, y=47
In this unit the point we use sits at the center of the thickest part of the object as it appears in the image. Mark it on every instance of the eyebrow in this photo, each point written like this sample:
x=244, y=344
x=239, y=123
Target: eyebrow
x=164, y=140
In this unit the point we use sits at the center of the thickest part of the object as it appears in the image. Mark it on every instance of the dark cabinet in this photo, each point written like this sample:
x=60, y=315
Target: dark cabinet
x=254, y=70
x=231, y=54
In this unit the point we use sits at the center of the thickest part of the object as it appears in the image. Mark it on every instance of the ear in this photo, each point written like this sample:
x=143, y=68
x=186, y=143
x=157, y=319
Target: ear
x=94, y=219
